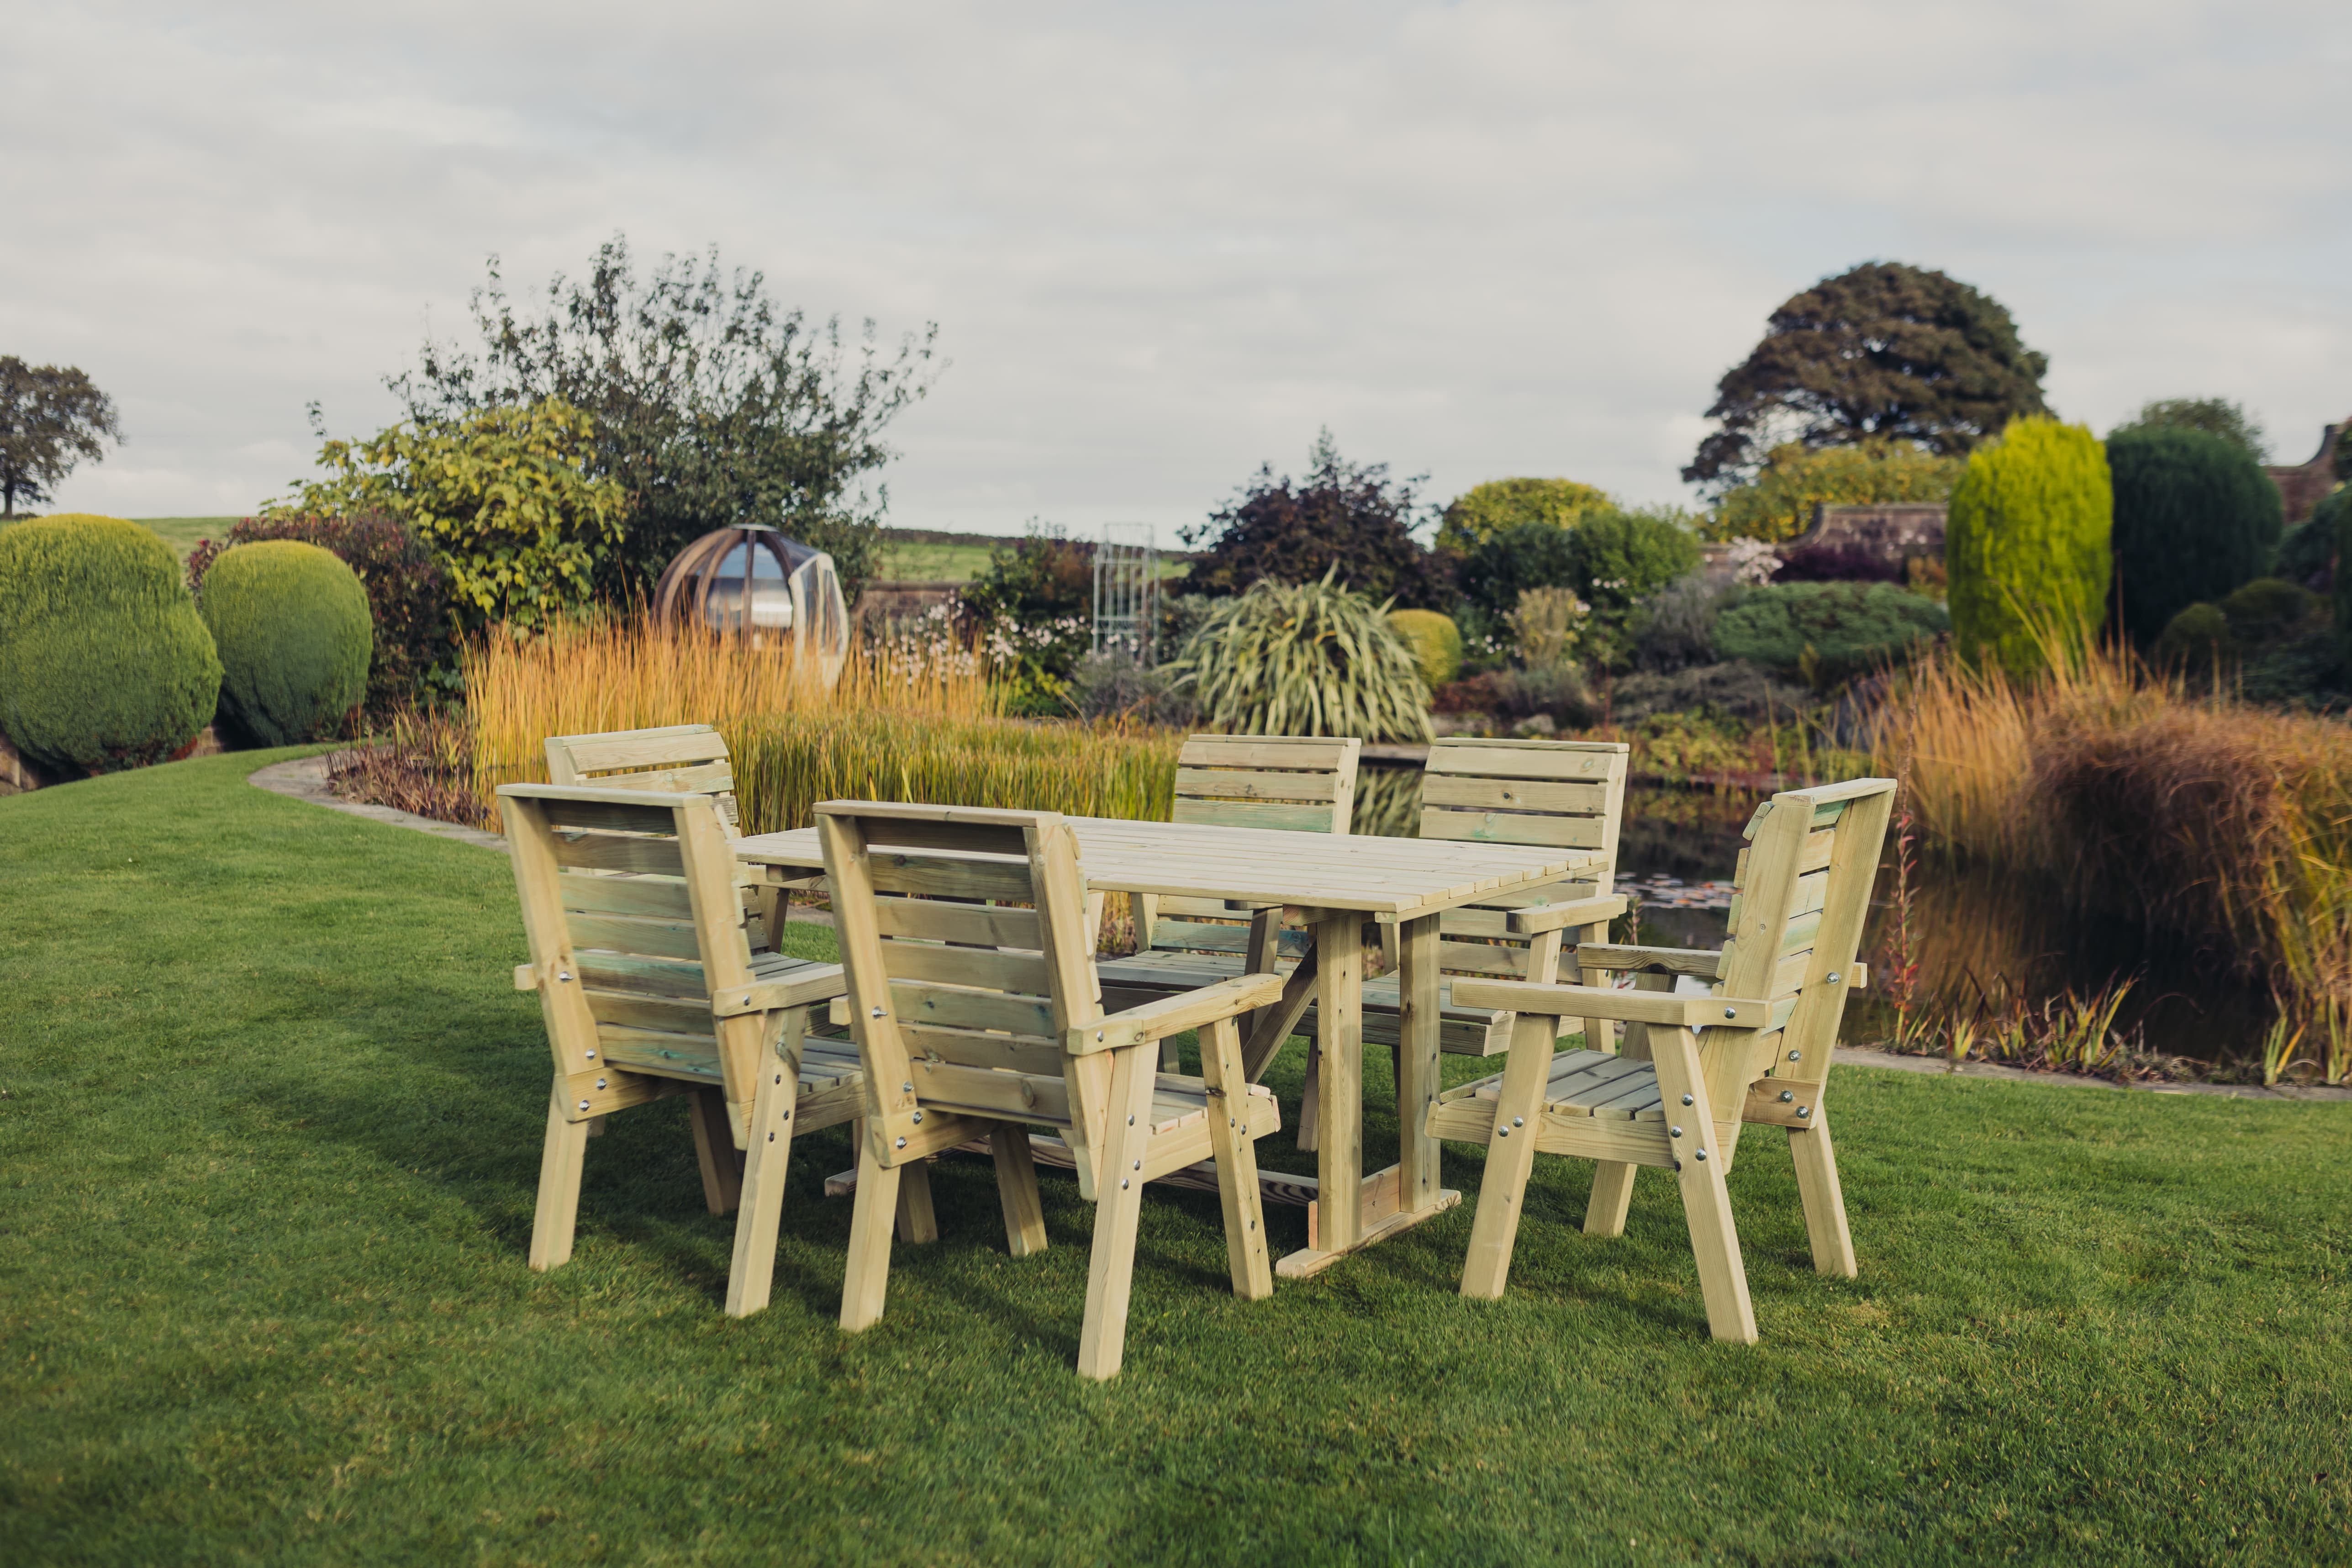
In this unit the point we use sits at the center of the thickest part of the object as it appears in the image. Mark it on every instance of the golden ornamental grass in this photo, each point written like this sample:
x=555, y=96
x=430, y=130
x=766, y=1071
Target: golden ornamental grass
x=640, y=673
x=2226, y=826
x=906, y=722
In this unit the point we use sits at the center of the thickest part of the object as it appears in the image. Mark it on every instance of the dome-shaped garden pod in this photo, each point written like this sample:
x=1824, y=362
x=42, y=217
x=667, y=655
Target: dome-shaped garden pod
x=751, y=579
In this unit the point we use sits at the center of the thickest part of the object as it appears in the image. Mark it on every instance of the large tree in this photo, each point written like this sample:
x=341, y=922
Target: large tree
x=1886, y=350
x=51, y=417
x=1293, y=530
x=712, y=405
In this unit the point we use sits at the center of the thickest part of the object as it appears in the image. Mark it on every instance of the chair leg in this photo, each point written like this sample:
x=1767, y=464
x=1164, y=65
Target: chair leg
x=1310, y=1095
x=1017, y=1189
x=751, y=1275
x=559, y=1186
x=1612, y=1195
x=1824, y=1199
x=1110, y=1272
x=714, y=1149
x=868, y=1276
x=918, y=1223
x=1236, y=1156
x=1510, y=1157
x=1706, y=1201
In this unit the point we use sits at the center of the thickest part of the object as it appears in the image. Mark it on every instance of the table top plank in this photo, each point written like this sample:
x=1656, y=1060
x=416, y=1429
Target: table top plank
x=1401, y=877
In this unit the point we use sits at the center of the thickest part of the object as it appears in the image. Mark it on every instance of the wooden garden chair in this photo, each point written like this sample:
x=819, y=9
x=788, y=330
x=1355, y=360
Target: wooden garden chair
x=685, y=758
x=1297, y=784
x=1752, y=1045
x=1555, y=794
x=977, y=1013
x=649, y=987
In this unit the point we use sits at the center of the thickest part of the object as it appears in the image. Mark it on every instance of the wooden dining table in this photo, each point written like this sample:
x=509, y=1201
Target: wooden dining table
x=1336, y=884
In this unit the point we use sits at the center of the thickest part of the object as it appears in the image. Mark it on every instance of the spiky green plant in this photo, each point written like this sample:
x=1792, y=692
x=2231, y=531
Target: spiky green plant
x=1315, y=659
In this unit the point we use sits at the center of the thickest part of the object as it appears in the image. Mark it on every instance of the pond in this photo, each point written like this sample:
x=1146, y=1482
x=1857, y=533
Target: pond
x=1974, y=931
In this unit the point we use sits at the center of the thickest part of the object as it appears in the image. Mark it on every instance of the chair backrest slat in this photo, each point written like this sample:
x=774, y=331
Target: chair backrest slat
x=1296, y=782
x=678, y=758
x=1567, y=794
x=965, y=939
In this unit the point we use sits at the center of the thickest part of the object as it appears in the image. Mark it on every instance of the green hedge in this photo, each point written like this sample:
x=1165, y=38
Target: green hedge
x=2195, y=518
x=104, y=663
x=2026, y=544
x=1826, y=632
x=291, y=622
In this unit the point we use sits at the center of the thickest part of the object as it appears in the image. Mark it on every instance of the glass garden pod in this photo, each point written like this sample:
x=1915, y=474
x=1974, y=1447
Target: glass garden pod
x=751, y=579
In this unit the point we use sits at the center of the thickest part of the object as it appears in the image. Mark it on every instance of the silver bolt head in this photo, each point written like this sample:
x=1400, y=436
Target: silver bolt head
x=878, y=1011
x=902, y=1142
x=772, y=1137
x=1122, y=1183
x=1702, y=1154
x=1138, y=1165
x=563, y=974
x=1796, y=1055
x=1833, y=976
x=907, y=1089
x=1731, y=1012
x=919, y=1116
x=1786, y=1096
x=1130, y=1121
x=1673, y=1132
x=1803, y=1111
x=1518, y=1122
x=591, y=1056
x=1502, y=1133
x=1688, y=1100
x=583, y=1105
x=600, y=1083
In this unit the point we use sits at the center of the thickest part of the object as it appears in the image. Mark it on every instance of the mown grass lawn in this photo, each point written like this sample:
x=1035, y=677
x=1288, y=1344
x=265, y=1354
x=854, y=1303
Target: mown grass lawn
x=268, y=1147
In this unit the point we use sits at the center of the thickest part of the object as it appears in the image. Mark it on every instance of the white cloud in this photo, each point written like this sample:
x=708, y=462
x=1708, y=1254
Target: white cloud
x=1166, y=243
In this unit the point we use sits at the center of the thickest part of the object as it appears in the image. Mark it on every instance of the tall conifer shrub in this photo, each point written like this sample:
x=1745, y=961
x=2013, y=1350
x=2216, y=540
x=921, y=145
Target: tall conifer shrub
x=2027, y=543
x=2196, y=517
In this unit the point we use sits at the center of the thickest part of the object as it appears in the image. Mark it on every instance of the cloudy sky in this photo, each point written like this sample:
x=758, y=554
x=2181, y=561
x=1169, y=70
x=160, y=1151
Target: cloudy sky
x=1165, y=243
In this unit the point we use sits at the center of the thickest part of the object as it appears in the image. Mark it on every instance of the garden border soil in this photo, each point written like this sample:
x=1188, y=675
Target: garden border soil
x=305, y=778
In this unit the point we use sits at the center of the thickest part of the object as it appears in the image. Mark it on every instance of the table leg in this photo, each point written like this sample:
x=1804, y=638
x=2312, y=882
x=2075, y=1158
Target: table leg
x=1417, y=1080
x=1340, y=1014
x=1351, y=1211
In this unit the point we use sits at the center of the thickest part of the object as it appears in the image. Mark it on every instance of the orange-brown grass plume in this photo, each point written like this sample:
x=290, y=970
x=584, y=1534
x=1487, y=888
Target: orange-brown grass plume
x=2226, y=826
x=636, y=673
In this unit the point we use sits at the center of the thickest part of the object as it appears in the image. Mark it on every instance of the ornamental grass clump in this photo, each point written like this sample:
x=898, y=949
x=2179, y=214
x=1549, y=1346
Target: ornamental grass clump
x=1310, y=659
x=2216, y=824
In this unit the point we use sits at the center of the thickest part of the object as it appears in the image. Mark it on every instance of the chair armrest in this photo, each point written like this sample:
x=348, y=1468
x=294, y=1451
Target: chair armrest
x=1174, y=1015
x=526, y=977
x=1606, y=1002
x=818, y=982
x=1702, y=961
x=1540, y=918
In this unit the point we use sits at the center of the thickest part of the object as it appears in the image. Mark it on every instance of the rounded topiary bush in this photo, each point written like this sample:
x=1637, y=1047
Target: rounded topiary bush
x=1435, y=641
x=104, y=662
x=2195, y=518
x=1827, y=632
x=294, y=633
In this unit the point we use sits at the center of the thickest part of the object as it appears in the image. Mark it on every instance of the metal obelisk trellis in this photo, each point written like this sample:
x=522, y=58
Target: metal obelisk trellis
x=1126, y=592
